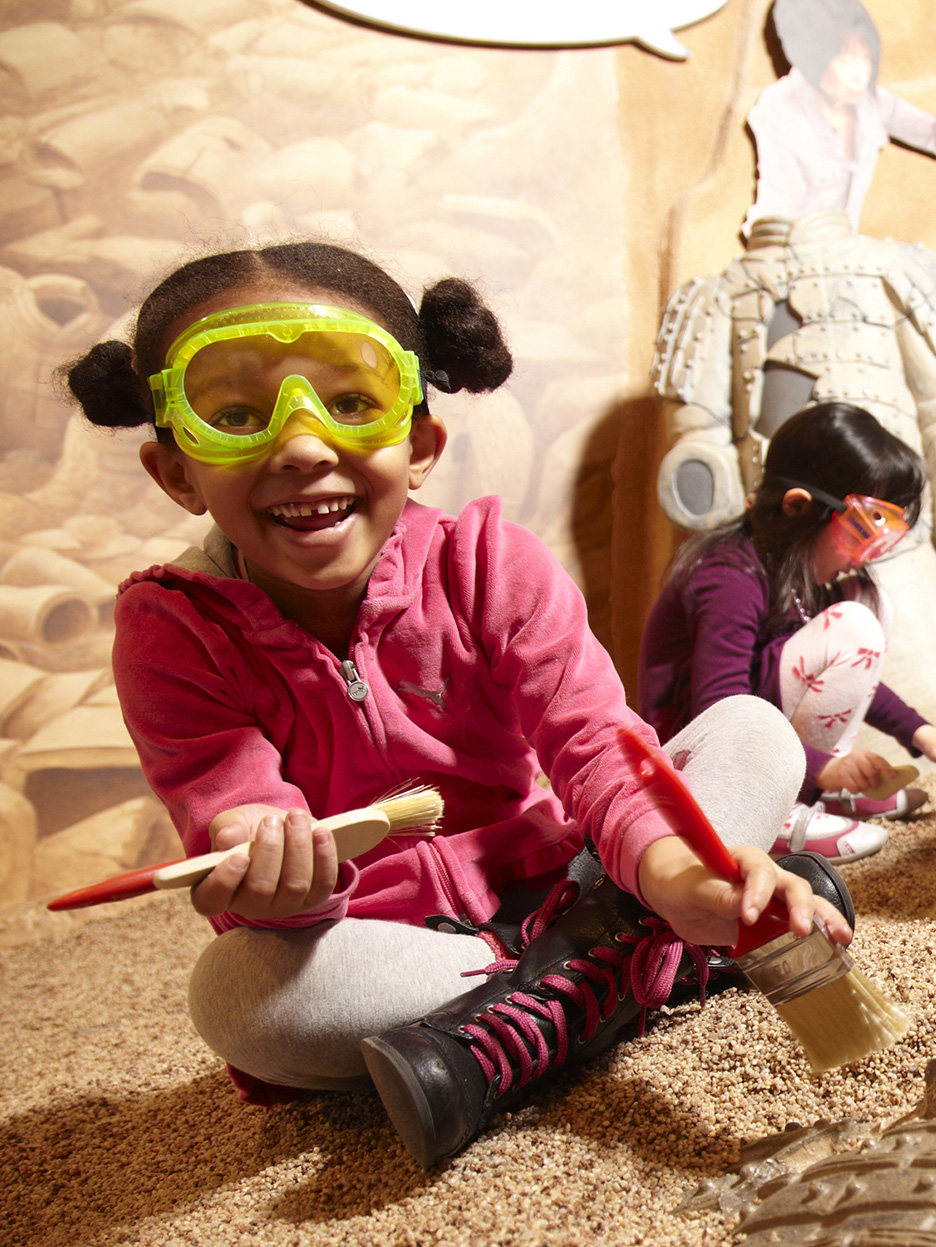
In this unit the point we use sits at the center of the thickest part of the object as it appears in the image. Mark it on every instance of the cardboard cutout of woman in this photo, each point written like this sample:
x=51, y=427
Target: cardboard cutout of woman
x=819, y=128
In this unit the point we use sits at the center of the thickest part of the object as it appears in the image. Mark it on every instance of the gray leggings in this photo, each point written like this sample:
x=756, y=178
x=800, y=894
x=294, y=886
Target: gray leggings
x=292, y=1006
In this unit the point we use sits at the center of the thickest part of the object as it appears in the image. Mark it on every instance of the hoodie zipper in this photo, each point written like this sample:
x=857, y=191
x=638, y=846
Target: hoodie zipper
x=356, y=688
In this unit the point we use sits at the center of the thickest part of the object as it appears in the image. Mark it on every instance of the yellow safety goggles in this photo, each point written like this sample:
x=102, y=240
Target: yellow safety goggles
x=233, y=379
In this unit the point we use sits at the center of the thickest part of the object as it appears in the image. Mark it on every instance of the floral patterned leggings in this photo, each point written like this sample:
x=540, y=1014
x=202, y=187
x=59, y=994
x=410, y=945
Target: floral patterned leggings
x=830, y=670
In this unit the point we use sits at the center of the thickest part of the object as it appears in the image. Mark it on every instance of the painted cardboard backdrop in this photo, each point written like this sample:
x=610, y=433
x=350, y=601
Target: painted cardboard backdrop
x=578, y=187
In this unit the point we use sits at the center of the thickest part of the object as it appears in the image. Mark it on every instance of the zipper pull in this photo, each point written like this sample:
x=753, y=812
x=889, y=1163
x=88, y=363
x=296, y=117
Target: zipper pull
x=357, y=689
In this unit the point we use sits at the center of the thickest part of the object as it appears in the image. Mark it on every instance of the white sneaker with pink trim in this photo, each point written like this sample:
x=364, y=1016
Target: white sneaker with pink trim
x=838, y=839
x=900, y=805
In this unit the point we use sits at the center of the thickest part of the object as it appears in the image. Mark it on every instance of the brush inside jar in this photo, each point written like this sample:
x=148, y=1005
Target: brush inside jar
x=791, y=965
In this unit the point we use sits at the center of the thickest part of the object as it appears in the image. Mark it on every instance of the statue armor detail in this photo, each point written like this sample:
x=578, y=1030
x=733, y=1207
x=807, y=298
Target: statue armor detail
x=810, y=312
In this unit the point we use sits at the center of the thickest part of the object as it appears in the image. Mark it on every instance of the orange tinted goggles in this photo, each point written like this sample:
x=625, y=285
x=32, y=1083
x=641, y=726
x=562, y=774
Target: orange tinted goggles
x=864, y=528
x=868, y=528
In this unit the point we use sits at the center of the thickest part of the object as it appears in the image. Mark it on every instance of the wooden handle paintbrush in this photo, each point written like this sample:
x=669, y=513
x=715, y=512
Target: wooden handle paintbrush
x=415, y=811
x=836, y=1013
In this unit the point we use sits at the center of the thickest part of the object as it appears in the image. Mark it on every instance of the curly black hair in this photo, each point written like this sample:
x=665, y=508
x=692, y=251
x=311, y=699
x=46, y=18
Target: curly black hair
x=455, y=335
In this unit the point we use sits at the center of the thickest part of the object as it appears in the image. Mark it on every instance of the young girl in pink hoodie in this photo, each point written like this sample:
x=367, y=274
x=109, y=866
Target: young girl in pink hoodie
x=334, y=639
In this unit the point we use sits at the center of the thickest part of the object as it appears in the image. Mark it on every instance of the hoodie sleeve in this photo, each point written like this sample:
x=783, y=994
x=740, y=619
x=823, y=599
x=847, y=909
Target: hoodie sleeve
x=531, y=621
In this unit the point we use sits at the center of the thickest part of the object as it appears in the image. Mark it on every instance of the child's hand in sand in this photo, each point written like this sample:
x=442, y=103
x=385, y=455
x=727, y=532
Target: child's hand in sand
x=292, y=867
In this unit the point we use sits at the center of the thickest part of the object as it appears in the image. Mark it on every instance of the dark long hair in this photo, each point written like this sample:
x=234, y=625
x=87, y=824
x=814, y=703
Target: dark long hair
x=833, y=447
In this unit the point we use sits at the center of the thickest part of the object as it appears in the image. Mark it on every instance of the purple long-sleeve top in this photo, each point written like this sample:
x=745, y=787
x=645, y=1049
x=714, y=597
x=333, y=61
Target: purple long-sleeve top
x=708, y=637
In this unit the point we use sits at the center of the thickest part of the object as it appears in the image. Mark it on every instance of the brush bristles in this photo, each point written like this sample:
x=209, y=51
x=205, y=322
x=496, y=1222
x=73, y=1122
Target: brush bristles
x=419, y=807
x=843, y=1020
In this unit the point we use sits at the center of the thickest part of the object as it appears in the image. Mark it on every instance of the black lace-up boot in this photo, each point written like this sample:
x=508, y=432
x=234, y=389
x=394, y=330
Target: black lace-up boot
x=591, y=968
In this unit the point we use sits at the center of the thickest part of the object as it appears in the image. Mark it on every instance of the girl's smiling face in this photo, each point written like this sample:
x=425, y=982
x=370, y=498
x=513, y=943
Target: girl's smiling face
x=312, y=515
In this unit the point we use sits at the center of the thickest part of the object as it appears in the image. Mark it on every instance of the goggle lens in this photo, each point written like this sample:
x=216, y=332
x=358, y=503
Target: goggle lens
x=235, y=385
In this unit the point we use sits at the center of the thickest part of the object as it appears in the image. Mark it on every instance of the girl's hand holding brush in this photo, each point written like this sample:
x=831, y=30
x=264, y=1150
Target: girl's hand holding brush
x=271, y=863
x=705, y=909
x=292, y=867
x=837, y=1014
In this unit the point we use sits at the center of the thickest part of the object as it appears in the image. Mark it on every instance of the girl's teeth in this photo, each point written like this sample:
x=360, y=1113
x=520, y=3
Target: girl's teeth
x=298, y=510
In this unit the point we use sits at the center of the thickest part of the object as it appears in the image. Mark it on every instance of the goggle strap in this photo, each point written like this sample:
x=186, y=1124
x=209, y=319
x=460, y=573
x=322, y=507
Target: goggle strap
x=157, y=384
x=819, y=494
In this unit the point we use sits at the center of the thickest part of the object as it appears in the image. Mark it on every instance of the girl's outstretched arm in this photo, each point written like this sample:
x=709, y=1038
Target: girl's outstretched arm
x=292, y=868
x=704, y=909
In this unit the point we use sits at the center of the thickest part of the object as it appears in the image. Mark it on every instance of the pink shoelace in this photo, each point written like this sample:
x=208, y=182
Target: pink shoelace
x=510, y=1031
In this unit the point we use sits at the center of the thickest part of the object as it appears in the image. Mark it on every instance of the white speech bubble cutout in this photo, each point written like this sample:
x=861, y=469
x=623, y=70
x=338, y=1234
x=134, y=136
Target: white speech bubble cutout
x=525, y=23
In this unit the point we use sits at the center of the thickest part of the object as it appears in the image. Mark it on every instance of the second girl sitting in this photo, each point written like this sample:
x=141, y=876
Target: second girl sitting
x=780, y=603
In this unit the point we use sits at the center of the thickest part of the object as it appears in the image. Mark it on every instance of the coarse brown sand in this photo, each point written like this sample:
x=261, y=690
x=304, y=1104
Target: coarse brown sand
x=120, y=1127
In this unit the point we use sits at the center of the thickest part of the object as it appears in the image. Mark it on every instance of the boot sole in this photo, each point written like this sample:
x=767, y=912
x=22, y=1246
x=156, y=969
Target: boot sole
x=403, y=1098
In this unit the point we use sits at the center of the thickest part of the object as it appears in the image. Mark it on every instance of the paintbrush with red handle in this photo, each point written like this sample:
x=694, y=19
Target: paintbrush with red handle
x=415, y=811
x=836, y=1013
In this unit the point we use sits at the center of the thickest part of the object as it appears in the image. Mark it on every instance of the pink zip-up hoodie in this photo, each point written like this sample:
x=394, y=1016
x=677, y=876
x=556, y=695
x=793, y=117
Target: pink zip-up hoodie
x=481, y=675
